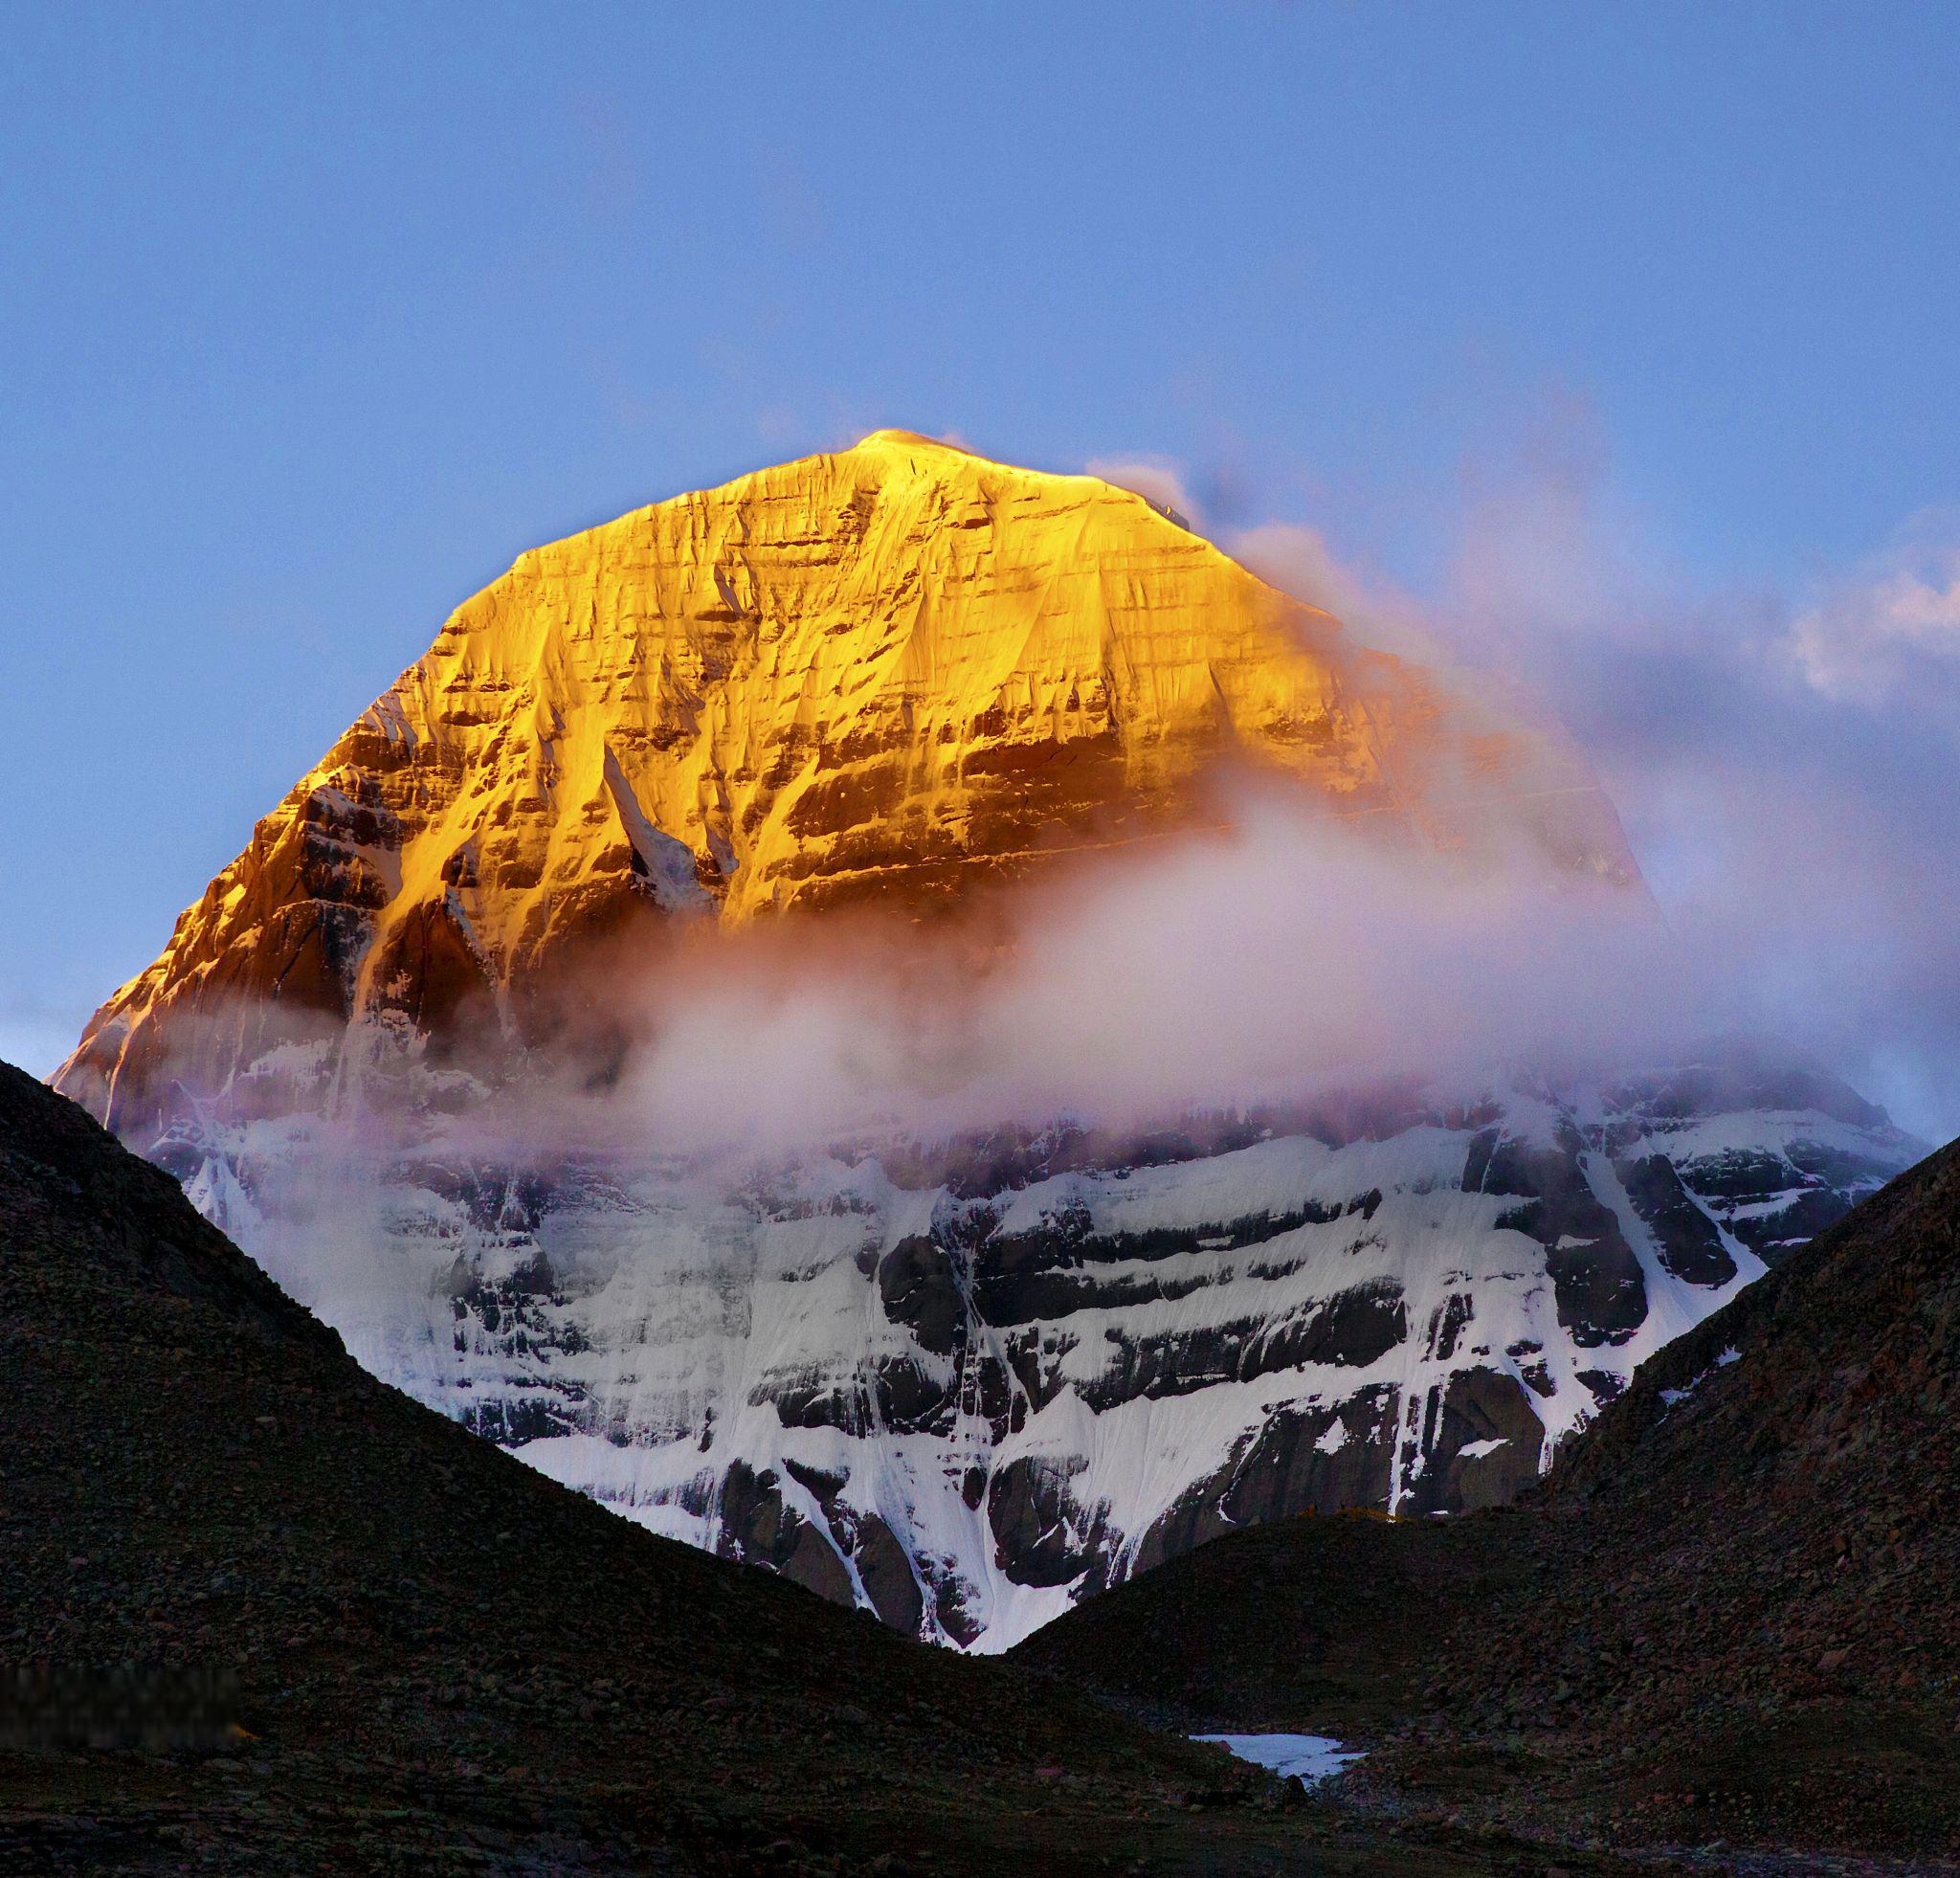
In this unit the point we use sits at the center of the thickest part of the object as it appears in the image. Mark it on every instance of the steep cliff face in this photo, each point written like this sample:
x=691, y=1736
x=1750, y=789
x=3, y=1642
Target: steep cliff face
x=897, y=671
x=965, y=1387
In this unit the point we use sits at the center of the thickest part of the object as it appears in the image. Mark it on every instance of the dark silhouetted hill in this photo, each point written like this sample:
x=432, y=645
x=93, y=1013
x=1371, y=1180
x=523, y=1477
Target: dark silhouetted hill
x=1733, y=1610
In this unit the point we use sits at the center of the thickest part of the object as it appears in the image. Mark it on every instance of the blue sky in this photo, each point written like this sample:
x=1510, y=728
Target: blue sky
x=312, y=318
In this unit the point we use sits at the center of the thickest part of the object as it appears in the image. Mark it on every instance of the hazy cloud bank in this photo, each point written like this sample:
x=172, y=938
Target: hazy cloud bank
x=1786, y=765
x=1218, y=971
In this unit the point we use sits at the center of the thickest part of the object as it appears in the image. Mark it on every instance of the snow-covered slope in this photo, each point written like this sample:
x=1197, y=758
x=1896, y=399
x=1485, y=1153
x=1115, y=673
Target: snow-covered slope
x=965, y=1385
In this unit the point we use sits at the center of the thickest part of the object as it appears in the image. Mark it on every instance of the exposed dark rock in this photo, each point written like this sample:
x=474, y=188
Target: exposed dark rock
x=910, y=1399
x=1601, y=1296
x=1300, y=1459
x=1476, y=1408
x=887, y=1575
x=1690, y=1244
x=920, y=1288
x=1352, y=1329
x=1043, y=1535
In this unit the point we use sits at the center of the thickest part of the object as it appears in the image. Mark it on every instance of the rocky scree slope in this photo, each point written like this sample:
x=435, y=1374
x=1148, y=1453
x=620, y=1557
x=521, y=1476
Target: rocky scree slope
x=1732, y=1611
x=260, y=1613
x=1763, y=1560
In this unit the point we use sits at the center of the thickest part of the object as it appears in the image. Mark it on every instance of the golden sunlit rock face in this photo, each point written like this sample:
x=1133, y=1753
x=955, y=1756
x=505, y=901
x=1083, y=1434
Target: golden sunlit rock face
x=890, y=673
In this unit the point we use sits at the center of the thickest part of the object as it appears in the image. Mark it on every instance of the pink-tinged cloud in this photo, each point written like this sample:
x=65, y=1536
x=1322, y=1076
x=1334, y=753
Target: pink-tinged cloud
x=1891, y=633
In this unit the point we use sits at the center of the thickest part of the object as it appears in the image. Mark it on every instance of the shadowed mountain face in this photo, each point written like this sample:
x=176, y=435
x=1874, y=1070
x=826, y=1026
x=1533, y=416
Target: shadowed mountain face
x=260, y=1613
x=1734, y=1609
x=888, y=675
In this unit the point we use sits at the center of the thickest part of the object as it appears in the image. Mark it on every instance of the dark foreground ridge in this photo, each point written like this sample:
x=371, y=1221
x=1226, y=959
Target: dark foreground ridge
x=260, y=1614
x=1731, y=1614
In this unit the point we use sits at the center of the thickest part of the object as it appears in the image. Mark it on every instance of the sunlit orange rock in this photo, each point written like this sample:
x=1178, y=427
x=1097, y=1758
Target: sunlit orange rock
x=894, y=671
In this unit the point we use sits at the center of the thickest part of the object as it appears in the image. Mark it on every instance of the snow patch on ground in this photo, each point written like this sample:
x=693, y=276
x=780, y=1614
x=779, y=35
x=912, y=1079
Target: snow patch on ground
x=1673, y=1396
x=1310, y=1758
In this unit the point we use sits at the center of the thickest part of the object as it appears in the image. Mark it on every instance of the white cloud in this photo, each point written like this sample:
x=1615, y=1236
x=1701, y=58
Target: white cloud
x=1156, y=479
x=1796, y=839
x=1887, y=635
x=1214, y=970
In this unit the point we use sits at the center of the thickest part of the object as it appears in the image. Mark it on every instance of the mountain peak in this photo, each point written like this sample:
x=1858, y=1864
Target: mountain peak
x=903, y=439
x=819, y=685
